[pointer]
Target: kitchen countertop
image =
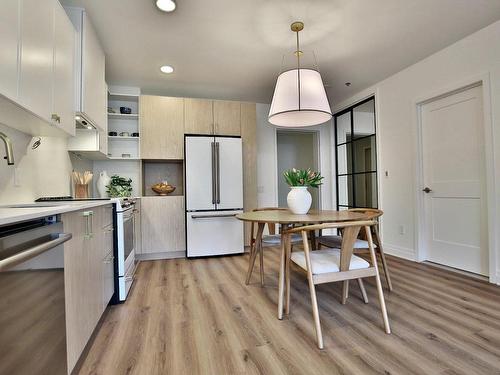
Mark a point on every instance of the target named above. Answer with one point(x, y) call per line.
point(12, 215)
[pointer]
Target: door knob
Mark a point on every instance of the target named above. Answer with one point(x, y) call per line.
point(426, 190)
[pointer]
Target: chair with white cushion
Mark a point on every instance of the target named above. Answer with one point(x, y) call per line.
point(271, 239)
point(361, 243)
point(331, 265)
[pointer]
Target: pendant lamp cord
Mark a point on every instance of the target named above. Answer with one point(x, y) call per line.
point(298, 66)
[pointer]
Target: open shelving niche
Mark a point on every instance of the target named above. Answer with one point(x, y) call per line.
point(119, 123)
point(128, 167)
point(155, 171)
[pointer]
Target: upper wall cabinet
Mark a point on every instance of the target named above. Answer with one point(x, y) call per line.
point(161, 121)
point(227, 117)
point(37, 49)
point(198, 116)
point(36, 67)
point(9, 38)
point(64, 70)
point(90, 97)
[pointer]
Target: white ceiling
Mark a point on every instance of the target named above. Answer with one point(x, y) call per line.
point(232, 49)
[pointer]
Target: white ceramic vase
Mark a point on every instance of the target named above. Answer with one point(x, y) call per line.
point(299, 200)
point(101, 184)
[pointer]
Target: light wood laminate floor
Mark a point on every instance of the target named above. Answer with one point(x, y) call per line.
point(198, 317)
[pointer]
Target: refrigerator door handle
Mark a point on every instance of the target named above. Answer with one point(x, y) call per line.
point(211, 216)
point(217, 153)
point(213, 173)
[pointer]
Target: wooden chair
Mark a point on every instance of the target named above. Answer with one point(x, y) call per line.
point(330, 265)
point(271, 239)
point(361, 243)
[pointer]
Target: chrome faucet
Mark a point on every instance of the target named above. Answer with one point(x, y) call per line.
point(8, 149)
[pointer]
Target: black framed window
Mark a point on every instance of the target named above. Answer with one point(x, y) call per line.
point(356, 156)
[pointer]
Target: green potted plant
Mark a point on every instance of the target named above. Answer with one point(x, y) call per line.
point(119, 187)
point(299, 199)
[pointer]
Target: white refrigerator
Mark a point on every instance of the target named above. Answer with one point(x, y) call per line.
point(214, 195)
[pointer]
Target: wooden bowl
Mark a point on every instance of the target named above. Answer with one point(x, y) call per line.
point(162, 189)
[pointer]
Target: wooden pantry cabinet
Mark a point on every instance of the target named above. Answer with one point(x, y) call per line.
point(249, 140)
point(161, 122)
point(88, 275)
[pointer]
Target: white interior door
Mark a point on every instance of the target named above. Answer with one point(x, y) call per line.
point(200, 192)
point(453, 166)
point(230, 180)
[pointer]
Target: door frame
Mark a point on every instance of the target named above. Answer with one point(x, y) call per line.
point(317, 145)
point(482, 80)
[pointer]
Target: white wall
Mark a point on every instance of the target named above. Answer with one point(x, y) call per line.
point(296, 149)
point(44, 171)
point(267, 184)
point(473, 57)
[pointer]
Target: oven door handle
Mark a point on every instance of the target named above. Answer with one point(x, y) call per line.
point(21, 255)
point(127, 217)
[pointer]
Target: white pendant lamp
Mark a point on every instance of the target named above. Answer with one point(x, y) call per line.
point(299, 96)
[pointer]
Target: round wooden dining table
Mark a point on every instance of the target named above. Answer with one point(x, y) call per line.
point(287, 220)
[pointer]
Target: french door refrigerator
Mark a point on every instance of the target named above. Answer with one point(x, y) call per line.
point(214, 195)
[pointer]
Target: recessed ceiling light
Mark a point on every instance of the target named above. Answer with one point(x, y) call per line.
point(89, 127)
point(167, 69)
point(166, 5)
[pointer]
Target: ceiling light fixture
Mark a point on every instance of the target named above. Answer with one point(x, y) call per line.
point(167, 69)
point(299, 96)
point(166, 5)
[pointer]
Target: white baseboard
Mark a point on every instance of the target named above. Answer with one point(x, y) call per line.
point(158, 256)
point(400, 252)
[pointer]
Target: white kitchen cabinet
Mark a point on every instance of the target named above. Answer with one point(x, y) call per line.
point(88, 143)
point(64, 70)
point(91, 95)
point(36, 67)
point(9, 37)
point(37, 56)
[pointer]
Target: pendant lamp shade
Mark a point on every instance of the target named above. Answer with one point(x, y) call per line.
point(299, 99)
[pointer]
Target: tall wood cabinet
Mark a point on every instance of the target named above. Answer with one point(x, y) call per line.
point(249, 138)
point(161, 122)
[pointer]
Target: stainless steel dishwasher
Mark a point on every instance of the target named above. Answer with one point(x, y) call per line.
point(32, 309)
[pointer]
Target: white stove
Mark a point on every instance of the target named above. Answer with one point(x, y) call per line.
point(125, 264)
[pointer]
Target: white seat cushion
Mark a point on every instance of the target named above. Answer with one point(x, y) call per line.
point(336, 241)
point(275, 239)
point(327, 260)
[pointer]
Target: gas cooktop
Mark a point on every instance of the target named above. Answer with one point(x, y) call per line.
point(68, 198)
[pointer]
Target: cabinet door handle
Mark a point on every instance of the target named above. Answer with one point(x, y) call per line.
point(89, 224)
point(55, 117)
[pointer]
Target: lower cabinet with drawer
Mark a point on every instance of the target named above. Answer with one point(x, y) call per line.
point(88, 275)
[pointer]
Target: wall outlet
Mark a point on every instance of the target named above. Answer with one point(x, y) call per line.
point(402, 229)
